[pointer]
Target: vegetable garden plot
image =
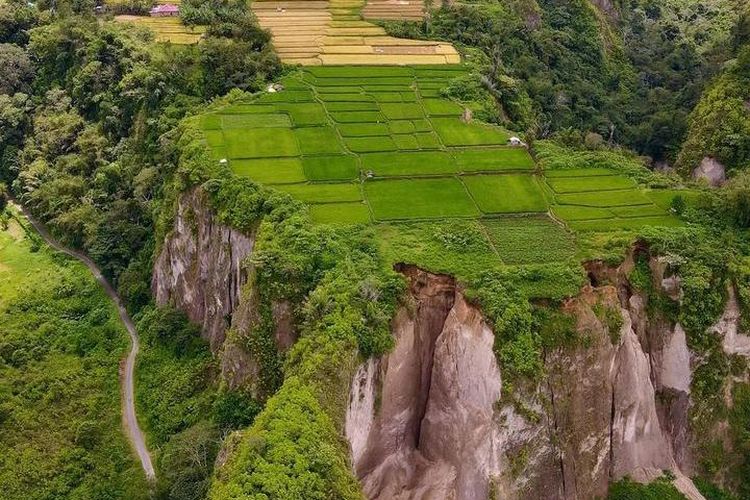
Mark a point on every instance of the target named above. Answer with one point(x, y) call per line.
point(270, 170)
point(412, 163)
point(419, 199)
point(595, 183)
point(340, 213)
point(495, 159)
point(495, 194)
point(530, 240)
point(260, 143)
point(454, 132)
point(323, 193)
point(330, 168)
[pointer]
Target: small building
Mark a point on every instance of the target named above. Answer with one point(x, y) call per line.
point(166, 10)
point(515, 141)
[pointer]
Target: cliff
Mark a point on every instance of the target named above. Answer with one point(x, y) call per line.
point(199, 269)
point(435, 419)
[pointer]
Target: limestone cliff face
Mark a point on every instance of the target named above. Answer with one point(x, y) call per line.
point(432, 418)
point(199, 269)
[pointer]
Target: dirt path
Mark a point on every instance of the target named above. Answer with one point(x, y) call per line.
point(127, 385)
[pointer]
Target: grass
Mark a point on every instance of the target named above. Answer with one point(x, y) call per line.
point(270, 170)
point(340, 213)
point(530, 240)
point(260, 143)
point(318, 140)
point(323, 193)
point(412, 163)
point(454, 132)
point(330, 168)
point(497, 159)
point(594, 183)
point(419, 198)
point(495, 194)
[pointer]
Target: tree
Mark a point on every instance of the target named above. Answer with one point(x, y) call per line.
point(17, 69)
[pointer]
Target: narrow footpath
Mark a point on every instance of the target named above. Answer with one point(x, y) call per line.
point(127, 385)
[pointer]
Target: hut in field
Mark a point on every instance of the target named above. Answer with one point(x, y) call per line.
point(166, 10)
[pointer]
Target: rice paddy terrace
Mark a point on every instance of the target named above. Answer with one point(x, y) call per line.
point(336, 32)
point(378, 145)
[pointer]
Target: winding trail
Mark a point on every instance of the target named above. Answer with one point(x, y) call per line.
point(127, 384)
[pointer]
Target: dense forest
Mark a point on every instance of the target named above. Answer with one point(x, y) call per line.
point(98, 140)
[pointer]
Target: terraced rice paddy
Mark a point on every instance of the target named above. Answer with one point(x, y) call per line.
point(603, 200)
point(377, 145)
point(335, 32)
point(167, 29)
point(364, 145)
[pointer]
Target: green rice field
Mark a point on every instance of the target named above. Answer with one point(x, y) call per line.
point(380, 145)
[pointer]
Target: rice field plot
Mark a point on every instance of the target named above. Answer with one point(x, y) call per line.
point(323, 193)
point(305, 114)
point(167, 29)
point(330, 168)
point(576, 213)
point(578, 172)
point(493, 160)
point(454, 132)
point(370, 144)
point(511, 193)
point(632, 223)
point(398, 199)
point(318, 140)
point(630, 197)
point(363, 129)
point(408, 164)
point(249, 121)
point(260, 143)
point(270, 170)
point(530, 240)
point(664, 197)
point(593, 183)
point(340, 213)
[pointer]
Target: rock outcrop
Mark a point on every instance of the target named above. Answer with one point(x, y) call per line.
point(432, 419)
point(199, 269)
point(710, 170)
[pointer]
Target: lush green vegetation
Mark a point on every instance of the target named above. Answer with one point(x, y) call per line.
point(61, 342)
point(661, 489)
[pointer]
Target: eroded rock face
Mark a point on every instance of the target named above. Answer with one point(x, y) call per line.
point(430, 419)
point(199, 269)
point(711, 170)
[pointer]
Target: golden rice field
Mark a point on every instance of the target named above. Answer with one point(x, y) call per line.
point(167, 29)
point(316, 32)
